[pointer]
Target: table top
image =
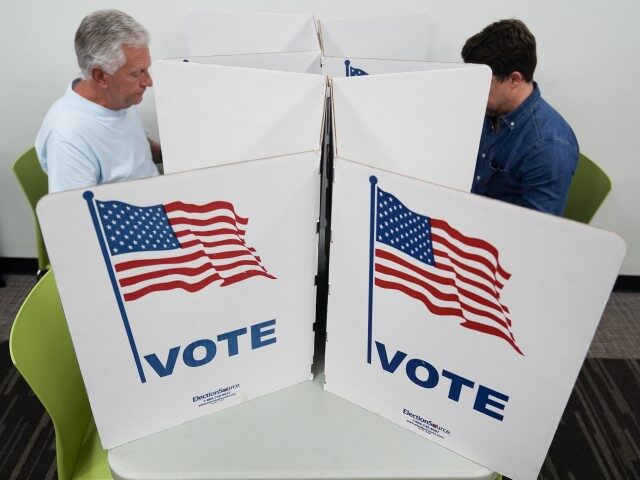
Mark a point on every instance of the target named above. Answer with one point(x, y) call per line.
point(299, 432)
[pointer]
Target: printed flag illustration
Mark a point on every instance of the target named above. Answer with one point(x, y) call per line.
point(174, 246)
point(352, 71)
point(177, 246)
point(427, 259)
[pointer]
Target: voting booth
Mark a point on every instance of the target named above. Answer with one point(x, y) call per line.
point(297, 147)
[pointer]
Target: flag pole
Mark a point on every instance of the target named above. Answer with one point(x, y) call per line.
point(372, 227)
point(88, 196)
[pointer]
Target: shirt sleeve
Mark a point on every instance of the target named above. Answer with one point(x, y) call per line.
point(546, 176)
point(69, 168)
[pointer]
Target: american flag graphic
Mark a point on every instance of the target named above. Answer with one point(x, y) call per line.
point(353, 71)
point(176, 246)
point(452, 274)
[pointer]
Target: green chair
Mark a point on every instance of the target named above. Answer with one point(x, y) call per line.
point(42, 351)
point(589, 187)
point(34, 183)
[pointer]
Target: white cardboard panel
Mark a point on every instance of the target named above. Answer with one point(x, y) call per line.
point(340, 67)
point(297, 62)
point(217, 33)
point(281, 228)
point(213, 115)
point(561, 275)
point(400, 37)
point(424, 125)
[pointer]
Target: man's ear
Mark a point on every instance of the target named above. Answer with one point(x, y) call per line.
point(515, 79)
point(99, 77)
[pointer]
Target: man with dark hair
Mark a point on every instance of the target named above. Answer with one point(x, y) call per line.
point(528, 152)
point(94, 134)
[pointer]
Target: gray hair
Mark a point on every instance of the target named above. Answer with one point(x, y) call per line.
point(100, 38)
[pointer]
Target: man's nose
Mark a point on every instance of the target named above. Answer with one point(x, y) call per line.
point(147, 81)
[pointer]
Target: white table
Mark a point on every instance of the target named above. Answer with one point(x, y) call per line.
point(301, 432)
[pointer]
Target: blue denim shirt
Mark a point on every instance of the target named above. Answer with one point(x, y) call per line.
point(530, 160)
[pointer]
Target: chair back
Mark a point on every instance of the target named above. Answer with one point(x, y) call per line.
point(34, 183)
point(589, 187)
point(42, 351)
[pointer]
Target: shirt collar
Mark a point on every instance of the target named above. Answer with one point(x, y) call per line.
point(95, 107)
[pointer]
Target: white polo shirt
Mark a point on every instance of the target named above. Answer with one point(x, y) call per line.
point(81, 143)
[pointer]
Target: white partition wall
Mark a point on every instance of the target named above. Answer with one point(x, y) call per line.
point(398, 37)
point(461, 318)
point(218, 33)
point(229, 114)
point(189, 293)
point(296, 62)
point(422, 124)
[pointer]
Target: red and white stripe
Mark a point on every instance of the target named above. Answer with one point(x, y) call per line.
point(466, 282)
point(212, 249)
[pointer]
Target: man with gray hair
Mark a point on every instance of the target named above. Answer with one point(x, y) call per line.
point(94, 134)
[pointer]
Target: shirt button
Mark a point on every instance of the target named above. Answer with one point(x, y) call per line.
point(512, 124)
point(484, 155)
point(478, 177)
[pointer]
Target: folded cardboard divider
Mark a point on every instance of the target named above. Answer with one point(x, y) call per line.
point(188, 293)
point(461, 318)
point(214, 33)
point(396, 37)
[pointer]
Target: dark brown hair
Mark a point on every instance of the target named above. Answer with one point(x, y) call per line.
point(506, 46)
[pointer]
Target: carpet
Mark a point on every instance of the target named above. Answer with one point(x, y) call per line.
point(27, 439)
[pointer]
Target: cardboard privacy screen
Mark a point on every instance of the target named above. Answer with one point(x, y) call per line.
point(231, 114)
point(294, 62)
point(220, 33)
point(461, 318)
point(423, 124)
point(396, 37)
point(188, 293)
point(257, 90)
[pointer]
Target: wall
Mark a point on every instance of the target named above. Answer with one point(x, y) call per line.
point(588, 69)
